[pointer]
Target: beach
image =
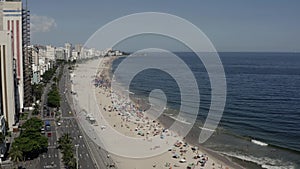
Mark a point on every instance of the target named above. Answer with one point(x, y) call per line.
point(119, 125)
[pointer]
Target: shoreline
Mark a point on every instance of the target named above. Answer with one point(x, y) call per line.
point(218, 158)
point(84, 85)
point(222, 156)
point(233, 148)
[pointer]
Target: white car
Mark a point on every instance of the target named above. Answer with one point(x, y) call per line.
point(58, 123)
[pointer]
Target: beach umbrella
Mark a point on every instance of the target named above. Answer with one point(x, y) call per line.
point(194, 148)
point(175, 156)
point(191, 165)
point(182, 161)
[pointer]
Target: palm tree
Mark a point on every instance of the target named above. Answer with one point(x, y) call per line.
point(66, 146)
point(15, 154)
point(2, 138)
point(65, 140)
point(72, 163)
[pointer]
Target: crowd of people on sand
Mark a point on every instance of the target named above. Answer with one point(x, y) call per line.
point(199, 159)
point(130, 112)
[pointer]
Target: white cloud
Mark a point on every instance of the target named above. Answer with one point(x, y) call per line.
point(41, 23)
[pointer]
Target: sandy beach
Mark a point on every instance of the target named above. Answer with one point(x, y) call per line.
point(134, 140)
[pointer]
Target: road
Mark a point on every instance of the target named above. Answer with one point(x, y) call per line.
point(45, 93)
point(50, 159)
point(90, 155)
point(69, 125)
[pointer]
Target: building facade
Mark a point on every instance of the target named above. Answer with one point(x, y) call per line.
point(7, 79)
point(36, 74)
point(60, 54)
point(42, 60)
point(68, 50)
point(27, 58)
point(12, 21)
point(50, 52)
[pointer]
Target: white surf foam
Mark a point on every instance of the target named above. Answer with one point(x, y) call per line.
point(260, 143)
point(264, 162)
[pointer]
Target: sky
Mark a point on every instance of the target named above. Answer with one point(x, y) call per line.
point(231, 25)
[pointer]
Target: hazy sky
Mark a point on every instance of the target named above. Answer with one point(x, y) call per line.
point(232, 25)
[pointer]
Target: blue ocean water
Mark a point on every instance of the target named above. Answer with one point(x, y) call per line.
point(263, 103)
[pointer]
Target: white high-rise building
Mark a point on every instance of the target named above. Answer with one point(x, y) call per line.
point(78, 48)
point(60, 53)
point(12, 21)
point(50, 52)
point(7, 91)
point(75, 55)
point(36, 76)
point(68, 50)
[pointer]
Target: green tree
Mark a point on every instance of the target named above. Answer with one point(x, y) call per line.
point(30, 142)
point(54, 97)
point(36, 109)
point(64, 141)
point(15, 154)
point(2, 138)
point(48, 74)
point(33, 124)
point(67, 149)
point(37, 91)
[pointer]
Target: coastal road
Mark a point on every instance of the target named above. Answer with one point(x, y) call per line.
point(45, 93)
point(90, 154)
point(51, 158)
point(69, 125)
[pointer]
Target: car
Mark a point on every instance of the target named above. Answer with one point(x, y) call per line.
point(43, 130)
point(80, 136)
point(49, 134)
point(58, 123)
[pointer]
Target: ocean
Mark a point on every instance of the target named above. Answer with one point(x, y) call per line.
point(261, 120)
